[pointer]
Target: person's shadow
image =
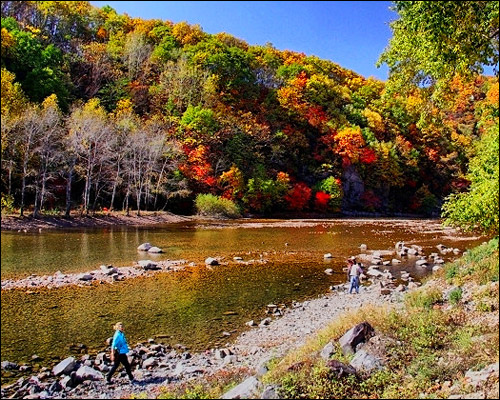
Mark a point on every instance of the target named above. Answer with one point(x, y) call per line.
point(149, 381)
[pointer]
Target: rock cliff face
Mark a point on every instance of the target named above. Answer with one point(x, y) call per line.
point(353, 188)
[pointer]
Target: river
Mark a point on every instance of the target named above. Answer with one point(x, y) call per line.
point(196, 307)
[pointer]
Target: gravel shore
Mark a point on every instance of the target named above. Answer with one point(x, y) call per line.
point(156, 366)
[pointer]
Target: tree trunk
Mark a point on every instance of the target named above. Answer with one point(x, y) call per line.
point(44, 186)
point(23, 188)
point(11, 164)
point(139, 195)
point(115, 184)
point(68, 189)
point(37, 199)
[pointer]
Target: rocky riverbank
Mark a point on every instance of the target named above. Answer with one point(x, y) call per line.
point(156, 365)
point(106, 274)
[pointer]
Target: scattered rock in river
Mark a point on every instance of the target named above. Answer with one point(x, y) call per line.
point(144, 247)
point(211, 261)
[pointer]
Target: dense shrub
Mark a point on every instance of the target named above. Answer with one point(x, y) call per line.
point(215, 206)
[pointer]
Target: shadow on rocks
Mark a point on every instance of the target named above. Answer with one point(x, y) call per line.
point(150, 381)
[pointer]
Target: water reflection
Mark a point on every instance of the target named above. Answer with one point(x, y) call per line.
point(187, 307)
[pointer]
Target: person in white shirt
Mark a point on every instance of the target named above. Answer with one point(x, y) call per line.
point(354, 270)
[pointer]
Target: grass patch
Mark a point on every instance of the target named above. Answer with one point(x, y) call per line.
point(479, 265)
point(455, 296)
point(215, 206)
point(423, 298)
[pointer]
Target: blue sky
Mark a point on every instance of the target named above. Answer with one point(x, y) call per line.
point(350, 33)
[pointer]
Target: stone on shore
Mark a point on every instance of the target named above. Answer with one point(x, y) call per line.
point(364, 361)
point(65, 367)
point(211, 261)
point(87, 373)
point(245, 390)
point(327, 351)
point(148, 264)
point(354, 336)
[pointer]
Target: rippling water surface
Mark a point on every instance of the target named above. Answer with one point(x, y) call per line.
point(193, 307)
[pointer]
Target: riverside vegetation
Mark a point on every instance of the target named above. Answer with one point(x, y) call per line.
point(269, 129)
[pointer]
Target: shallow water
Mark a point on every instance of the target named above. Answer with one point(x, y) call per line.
point(186, 307)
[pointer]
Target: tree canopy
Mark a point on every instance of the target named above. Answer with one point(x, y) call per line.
point(435, 40)
point(151, 114)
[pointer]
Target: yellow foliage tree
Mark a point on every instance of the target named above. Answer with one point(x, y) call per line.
point(187, 34)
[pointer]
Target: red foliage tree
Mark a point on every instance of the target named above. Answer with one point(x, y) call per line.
point(298, 198)
point(321, 200)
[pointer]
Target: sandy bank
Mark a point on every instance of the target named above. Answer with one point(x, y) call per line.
point(13, 223)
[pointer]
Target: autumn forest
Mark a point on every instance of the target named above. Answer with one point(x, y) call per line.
point(102, 111)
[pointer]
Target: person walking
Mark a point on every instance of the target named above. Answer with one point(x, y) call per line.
point(119, 350)
point(354, 271)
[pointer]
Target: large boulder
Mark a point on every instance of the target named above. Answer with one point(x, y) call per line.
point(144, 247)
point(245, 390)
point(65, 367)
point(87, 373)
point(354, 336)
point(365, 361)
point(374, 354)
point(211, 261)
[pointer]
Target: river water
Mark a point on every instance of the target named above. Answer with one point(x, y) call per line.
point(196, 307)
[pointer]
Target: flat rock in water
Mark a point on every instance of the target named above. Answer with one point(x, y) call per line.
point(144, 247)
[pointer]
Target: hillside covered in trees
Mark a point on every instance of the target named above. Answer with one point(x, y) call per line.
point(101, 110)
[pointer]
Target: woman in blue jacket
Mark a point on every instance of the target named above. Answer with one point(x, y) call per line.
point(119, 350)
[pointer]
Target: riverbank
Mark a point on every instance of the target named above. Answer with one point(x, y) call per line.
point(151, 218)
point(158, 367)
point(108, 219)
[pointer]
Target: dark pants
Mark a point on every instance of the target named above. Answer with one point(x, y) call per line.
point(121, 358)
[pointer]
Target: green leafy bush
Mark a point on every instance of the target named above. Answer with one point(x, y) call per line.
point(215, 206)
point(479, 264)
point(477, 209)
point(424, 298)
point(455, 296)
point(7, 203)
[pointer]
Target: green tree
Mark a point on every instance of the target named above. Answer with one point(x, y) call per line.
point(435, 39)
point(432, 43)
point(477, 209)
point(37, 67)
